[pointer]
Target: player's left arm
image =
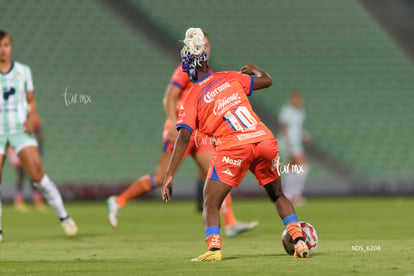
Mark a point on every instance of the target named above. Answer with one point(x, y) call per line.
point(180, 146)
point(28, 125)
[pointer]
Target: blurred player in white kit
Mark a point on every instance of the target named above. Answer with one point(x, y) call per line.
point(292, 135)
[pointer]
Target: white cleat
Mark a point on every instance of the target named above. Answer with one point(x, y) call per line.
point(113, 211)
point(69, 226)
point(240, 227)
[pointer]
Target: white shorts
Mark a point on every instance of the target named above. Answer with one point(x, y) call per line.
point(17, 141)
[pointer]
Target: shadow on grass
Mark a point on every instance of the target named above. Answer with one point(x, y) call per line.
point(249, 256)
point(235, 257)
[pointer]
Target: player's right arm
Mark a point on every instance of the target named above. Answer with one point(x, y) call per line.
point(180, 146)
point(261, 79)
point(186, 124)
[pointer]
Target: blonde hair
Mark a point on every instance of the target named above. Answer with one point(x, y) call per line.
point(194, 52)
point(194, 43)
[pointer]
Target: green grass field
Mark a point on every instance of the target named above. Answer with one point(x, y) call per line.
point(156, 238)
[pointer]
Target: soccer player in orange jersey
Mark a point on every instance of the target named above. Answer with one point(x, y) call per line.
point(217, 105)
point(200, 149)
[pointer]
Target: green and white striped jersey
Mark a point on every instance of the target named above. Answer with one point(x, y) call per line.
point(13, 103)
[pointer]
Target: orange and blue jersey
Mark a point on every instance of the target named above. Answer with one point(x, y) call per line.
point(181, 80)
point(218, 106)
point(199, 142)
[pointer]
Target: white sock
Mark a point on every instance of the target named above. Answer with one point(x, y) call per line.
point(52, 196)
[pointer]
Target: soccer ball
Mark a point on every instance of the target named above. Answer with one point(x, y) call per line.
point(309, 234)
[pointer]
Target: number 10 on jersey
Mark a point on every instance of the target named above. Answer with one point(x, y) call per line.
point(240, 119)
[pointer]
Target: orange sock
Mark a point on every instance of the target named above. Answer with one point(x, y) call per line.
point(294, 230)
point(226, 212)
point(213, 241)
point(139, 187)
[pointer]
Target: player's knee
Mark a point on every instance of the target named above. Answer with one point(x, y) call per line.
point(35, 171)
point(36, 174)
point(37, 177)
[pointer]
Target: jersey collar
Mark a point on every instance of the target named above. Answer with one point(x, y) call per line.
point(11, 68)
point(203, 78)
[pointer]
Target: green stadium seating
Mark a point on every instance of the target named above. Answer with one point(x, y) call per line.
point(84, 46)
point(356, 82)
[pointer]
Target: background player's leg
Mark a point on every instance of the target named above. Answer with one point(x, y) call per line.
point(202, 160)
point(19, 203)
point(143, 185)
point(20, 180)
point(299, 184)
point(37, 198)
point(14, 160)
point(295, 185)
point(288, 185)
point(199, 190)
point(2, 158)
point(30, 158)
point(36, 194)
point(226, 211)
